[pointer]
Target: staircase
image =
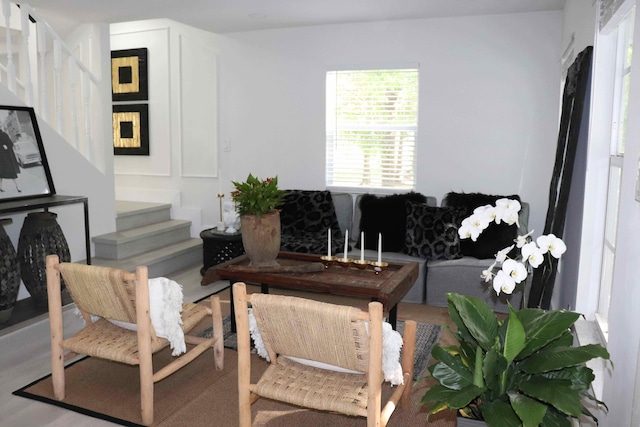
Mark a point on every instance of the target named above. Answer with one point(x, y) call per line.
point(146, 235)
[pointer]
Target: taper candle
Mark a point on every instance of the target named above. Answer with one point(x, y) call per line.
point(346, 243)
point(362, 246)
point(329, 243)
point(379, 248)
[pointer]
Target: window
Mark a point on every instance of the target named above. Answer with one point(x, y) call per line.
point(620, 92)
point(372, 125)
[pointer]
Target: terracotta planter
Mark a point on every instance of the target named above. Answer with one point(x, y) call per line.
point(40, 236)
point(261, 238)
point(9, 276)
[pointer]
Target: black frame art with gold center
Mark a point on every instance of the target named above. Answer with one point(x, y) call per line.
point(129, 75)
point(131, 129)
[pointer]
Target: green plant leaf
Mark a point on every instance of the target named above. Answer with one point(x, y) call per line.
point(478, 318)
point(542, 327)
point(450, 371)
point(558, 393)
point(494, 365)
point(530, 411)
point(561, 357)
point(554, 418)
point(454, 399)
point(498, 413)
point(514, 340)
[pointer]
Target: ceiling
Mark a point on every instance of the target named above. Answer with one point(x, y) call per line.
point(225, 16)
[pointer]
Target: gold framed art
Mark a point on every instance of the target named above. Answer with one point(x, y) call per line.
point(131, 129)
point(129, 75)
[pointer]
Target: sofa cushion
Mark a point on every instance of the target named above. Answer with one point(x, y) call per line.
point(432, 232)
point(386, 215)
point(493, 238)
point(305, 217)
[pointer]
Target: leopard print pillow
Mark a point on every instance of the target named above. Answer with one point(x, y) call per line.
point(432, 232)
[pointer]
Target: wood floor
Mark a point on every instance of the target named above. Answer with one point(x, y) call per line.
point(25, 355)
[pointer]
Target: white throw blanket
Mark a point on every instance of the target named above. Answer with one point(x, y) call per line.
point(391, 346)
point(165, 306)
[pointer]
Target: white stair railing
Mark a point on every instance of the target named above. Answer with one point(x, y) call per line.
point(50, 77)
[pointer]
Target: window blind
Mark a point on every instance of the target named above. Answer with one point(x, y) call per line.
point(371, 128)
point(610, 9)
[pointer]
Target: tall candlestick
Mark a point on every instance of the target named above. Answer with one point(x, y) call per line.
point(346, 243)
point(362, 246)
point(329, 243)
point(220, 181)
point(379, 248)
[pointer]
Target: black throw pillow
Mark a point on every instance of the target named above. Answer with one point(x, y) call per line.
point(309, 211)
point(432, 232)
point(493, 238)
point(386, 215)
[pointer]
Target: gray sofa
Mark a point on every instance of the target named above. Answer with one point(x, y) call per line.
point(436, 277)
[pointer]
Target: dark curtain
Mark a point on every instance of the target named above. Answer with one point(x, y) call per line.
point(574, 111)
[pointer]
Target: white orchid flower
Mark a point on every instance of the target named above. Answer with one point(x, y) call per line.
point(507, 211)
point(515, 269)
point(551, 243)
point(532, 254)
point(523, 240)
point(503, 283)
point(487, 212)
point(472, 226)
point(502, 254)
point(487, 274)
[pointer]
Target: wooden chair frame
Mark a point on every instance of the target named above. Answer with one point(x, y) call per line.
point(375, 414)
point(130, 297)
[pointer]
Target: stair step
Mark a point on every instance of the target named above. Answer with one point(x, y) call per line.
point(162, 261)
point(128, 243)
point(130, 215)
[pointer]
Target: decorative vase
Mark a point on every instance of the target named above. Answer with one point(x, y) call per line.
point(261, 238)
point(40, 236)
point(469, 422)
point(9, 276)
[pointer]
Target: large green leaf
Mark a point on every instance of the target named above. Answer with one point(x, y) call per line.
point(542, 327)
point(558, 393)
point(514, 340)
point(562, 357)
point(463, 334)
point(530, 411)
point(455, 399)
point(554, 418)
point(478, 318)
point(580, 376)
point(450, 371)
point(499, 414)
point(494, 365)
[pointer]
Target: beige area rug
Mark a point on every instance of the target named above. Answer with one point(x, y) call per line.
point(196, 395)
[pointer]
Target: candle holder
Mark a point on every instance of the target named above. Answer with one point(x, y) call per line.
point(328, 261)
point(344, 262)
point(361, 264)
point(379, 266)
point(221, 222)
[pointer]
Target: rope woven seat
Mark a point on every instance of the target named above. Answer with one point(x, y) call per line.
point(345, 337)
point(118, 295)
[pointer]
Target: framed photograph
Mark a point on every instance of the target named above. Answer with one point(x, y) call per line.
point(129, 75)
point(131, 129)
point(24, 171)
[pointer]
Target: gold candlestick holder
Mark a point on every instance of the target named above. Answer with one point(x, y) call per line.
point(379, 266)
point(361, 264)
point(344, 262)
point(221, 223)
point(328, 261)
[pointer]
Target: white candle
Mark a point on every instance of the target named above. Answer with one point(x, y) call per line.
point(346, 243)
point(329, 243)
point(362, 246)
point(220, 181)
point(379, 248)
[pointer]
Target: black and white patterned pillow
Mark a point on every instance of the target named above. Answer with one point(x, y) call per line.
point(432, 232)
point(305, 217)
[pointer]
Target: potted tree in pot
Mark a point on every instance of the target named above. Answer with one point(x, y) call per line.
point(522, 370)
point(256, 202)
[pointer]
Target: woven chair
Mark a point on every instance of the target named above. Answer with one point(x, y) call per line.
point(327, 333)
point(123, 296)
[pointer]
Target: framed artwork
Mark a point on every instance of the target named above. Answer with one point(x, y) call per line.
point(131, 129)
point(129, 75)
point(24, 171)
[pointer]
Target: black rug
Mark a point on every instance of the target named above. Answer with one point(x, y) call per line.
point(427, 336)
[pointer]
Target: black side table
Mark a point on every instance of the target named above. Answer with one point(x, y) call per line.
point(218, 247)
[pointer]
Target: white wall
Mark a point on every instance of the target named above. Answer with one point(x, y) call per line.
point(182, 167)
point(489, 97)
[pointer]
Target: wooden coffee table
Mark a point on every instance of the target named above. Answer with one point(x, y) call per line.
point(389, 286)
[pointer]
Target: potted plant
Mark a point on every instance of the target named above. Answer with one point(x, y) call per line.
point(256, 201)
point(522, 370)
